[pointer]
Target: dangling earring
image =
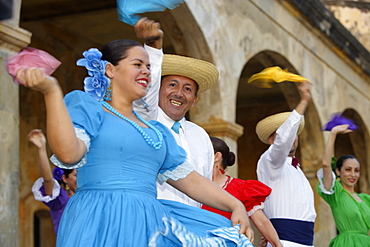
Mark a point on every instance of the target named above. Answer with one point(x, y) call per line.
point(67, 189)
point(108, 94)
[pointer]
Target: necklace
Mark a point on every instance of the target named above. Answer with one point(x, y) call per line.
point(147, 138)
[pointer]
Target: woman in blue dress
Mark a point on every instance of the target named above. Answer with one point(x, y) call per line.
point(119, 157)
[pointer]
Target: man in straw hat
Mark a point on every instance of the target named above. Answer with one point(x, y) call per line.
point(290, 207)
point(182, 79)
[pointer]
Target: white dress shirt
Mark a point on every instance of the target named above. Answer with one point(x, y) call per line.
point(292, 196)
point(192, 138)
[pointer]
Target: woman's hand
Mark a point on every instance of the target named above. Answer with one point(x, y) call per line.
point(35, 79)
point(37, 138)
point(209, 193)
point(239, 216)
point(341, 129)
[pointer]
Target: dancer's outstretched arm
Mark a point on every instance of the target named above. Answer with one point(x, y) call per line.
point(60, 131)
point(209, 193)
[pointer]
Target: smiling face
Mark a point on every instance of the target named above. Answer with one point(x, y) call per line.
point(131, 77)
point(349, 172)
point(177, 95)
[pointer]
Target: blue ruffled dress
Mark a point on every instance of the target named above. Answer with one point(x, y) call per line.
point(115, 203)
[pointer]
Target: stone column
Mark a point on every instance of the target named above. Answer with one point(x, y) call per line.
point(12, 39)
point(227, 131)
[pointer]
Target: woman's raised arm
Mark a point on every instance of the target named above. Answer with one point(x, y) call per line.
point(329, 152)
point(60, 131)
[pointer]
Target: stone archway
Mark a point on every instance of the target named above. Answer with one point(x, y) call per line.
point(253, 104)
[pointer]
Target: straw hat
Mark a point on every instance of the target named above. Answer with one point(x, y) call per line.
point(203, 73)
point(270, 124)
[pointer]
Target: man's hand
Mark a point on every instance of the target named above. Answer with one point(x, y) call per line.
point(150, 31)
point(304, 90)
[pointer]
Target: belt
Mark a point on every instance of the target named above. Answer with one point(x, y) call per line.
point(297, 231)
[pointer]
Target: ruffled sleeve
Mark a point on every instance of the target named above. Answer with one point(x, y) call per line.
point(321, 188)
point(176, 165)
point(251, 193)
point(37, 190)
point(328, 195)
point(87, 115)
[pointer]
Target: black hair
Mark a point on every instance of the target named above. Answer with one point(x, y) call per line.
point(228, 158)
point(66, 174)
point(116, 50)
point(343, 158)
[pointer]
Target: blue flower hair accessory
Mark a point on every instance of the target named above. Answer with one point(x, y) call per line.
point(97, 82)
point(58, 173)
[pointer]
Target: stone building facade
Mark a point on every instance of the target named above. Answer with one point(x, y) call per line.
point(240, 37)
point(354, 15)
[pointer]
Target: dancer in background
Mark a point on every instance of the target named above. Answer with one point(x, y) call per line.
point(351, 210)
point(53, 189)
point(290, 207)
point(251, 193)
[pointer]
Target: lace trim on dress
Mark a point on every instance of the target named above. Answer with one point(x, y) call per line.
point(178, 173)
point(81, 134)
point(215, 238)
point(255, 208)
point(47, 198)
point(320, 176)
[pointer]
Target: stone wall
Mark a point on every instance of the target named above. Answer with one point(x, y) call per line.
point(12, 39)
point(355, 16)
